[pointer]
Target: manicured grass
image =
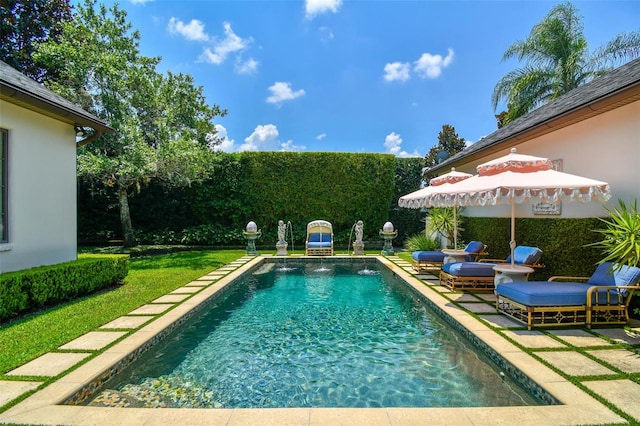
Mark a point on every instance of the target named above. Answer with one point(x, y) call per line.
point(148, 279)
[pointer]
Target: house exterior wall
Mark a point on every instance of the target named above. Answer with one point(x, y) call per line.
point(41, 205)
point(605, 147)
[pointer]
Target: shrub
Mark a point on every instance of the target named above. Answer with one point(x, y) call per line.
point(34, 288)
point(421, 242)
point(621, 236)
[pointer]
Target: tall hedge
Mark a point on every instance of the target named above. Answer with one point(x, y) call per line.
point(265, 187)
point(563, 241)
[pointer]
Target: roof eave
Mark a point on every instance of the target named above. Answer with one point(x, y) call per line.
point(28, 100)
point(613, 100)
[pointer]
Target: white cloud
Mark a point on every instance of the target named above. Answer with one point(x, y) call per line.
point(194, 30)
point(396, 71)
point(430, 66)
point(227, 145)
point(249, 66)
point(290, 146)
point(264, 137)
point(281, 91)
point(223, 47)
point(321, 136)
point(393, 143)
point(316, 7)
point(142, 2)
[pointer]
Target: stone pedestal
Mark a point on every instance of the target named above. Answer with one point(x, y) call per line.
point(281, 248)
point(387, 248)
point(251, 242)
point(358, 248)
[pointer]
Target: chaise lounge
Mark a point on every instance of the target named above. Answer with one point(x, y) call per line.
point(430, 260)
point(603, 299)
point(319, 238)
point(479, 276)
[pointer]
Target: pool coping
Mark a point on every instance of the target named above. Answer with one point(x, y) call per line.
point(44, 406)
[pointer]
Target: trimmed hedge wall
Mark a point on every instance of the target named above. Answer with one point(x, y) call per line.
point(35, 288)
point(561, 240)
point(264, 187)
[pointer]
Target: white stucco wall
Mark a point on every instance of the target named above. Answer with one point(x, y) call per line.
point(42, 190)
point(605, 147)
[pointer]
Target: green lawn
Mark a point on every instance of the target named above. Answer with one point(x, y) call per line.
point(148, 279)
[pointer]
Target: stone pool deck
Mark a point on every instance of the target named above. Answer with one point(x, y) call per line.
point(584, 369)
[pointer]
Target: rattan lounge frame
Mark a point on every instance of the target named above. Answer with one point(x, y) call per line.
point(481, 283)
point(422, 266)
point(605, 305)
point(319, 240)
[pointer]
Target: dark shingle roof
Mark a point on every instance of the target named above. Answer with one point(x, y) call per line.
point(17, 88)
point(616, 81)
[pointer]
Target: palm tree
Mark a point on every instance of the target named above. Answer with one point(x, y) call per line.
point(557, 60)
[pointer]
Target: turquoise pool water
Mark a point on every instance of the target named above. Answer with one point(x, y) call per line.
point(314, 334)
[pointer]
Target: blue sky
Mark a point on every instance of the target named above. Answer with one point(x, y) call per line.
point(351, 76)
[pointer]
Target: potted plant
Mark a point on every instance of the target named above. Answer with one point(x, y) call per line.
point(621, 242)
point(621, 235)
point(441, 220)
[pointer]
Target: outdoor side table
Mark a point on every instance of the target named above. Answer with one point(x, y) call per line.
point(454, 256)
point(508, 273)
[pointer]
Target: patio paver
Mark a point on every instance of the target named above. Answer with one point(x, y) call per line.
point(211, 277)
point(489, 297)
point(533, 339)
point(156, 308)
point(199, 283)
point(171, 298)
point(10, 390)
point(463, 297)
point(501, 321)
point(427, 277)
point(619, 335)
point(623, 359)
point(49, 365)
point(624, 394)
point(128, 322)
point(185, 289)
point(94, 340)
point(478, 308)
point(579, 337)
point(574, 363)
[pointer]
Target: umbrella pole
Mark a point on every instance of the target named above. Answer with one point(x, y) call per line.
point(512, 243)
point(455, 230)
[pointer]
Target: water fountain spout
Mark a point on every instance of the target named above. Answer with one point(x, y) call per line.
point(291, 235)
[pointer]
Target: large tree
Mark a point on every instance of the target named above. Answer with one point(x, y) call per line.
point(162, 122)
point(449, 143)
point(24, 24)
point(557, 60)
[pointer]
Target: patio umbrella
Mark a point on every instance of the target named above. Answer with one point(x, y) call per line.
point(419, 199)
point(516, 178)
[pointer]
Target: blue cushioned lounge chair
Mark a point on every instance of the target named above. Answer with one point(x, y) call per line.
point(429, 260)
point(480, 275)
point(319, 238)
point(561, 301)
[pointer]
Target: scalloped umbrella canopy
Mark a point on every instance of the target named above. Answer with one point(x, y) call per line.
point(515, 179)
point(418, 199)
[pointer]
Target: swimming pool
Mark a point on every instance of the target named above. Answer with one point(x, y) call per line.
point(314, 333)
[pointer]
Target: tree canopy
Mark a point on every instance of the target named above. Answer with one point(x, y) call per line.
point(449, 143)
point(162, 123)
point(24, 24)
point(556, 60)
